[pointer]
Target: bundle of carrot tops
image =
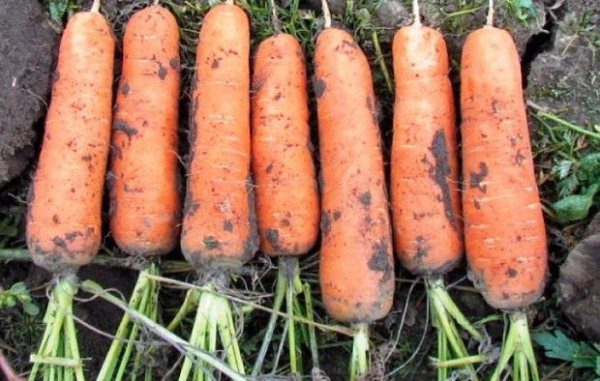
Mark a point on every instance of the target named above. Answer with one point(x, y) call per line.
point(251, 185)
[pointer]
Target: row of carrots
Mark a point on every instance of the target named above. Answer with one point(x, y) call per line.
point(498, 210)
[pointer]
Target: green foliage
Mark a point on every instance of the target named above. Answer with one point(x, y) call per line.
point(58, 9)
point(576, 207)
point(559, 346)
point(18, 293)
point(572, 175)
point(524, 10)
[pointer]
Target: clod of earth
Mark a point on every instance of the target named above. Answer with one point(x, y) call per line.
point(579, 284)
point(27, 50)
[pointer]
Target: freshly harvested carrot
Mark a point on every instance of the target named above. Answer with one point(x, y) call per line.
point(281, 150)
point(424, 178)
point(219, 232)
point(144, 194)
point(356, 267)
point(218, 225)
point(504, 227)
point(145, 202)
point(287, 199)
point(357, 272)
point(424, 167)
point(64, 217)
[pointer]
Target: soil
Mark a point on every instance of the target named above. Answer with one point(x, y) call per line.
point(564, 78)
point(27, 50)
point(579, 284)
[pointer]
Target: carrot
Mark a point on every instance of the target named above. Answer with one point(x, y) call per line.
point(504, 227)
point(424, 176)
point(356, 269)
point(64, 219)
point(145, 202)
point(219, 232)
point(284, 172)
point(218, 227)
point(281, 155)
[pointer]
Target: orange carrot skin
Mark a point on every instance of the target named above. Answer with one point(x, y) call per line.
point(424, 168)
point(504, 227)
point(218, 225)
point(64, 216)
point(356, 269)
point(287, 200)
point(145, 201)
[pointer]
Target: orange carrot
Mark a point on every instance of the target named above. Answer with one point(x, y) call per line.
point(505, 236)
point(64, 218)
point(424, 177)
point(145, 202)
point(286, 190)
point(356, 270)
point(218, 227)
point(504, 227)
point(424, 174)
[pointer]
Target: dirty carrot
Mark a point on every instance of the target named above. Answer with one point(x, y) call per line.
point(219, 232)
point(356, 269)
point(424, 174)
point(504, 226)
point(287, 199)
point(144, 193)
point(64, 217)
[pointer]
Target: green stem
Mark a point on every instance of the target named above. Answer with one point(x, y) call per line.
point(295, 365)
point(144, 300)
point(58, 354)
point(565, 123)
point(381, 61)
point(280, 291)
point(312, 336)
point(359, 362)
point(168, 336)
point(457, 363)
point(442, 351)
point(517, 345)
point(446, 315)
point(192, 296)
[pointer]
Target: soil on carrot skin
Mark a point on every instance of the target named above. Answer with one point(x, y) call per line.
point(27, 50)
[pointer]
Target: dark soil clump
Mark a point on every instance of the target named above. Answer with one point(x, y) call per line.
point(27, 50)
point(579, 284)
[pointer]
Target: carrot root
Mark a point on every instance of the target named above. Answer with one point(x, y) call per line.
point(447, 317)
point(58, 354)
point(517, 345)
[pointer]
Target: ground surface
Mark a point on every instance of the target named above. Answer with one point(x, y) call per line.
point(27, 44)
point(558, 42)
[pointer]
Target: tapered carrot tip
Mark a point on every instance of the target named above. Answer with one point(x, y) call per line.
point(504, 226)
point(64, 216)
